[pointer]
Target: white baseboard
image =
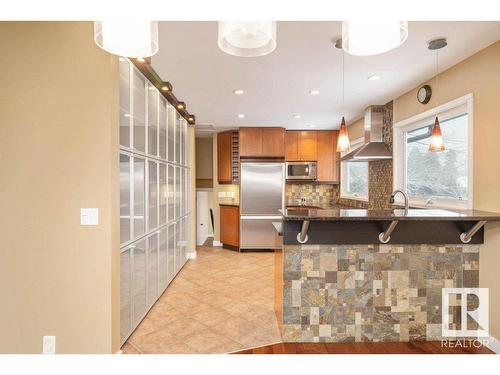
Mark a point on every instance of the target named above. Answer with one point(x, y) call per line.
point(191, 255)
point(494, 344)
point(217, 244)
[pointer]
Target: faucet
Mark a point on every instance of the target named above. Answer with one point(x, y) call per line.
point(393, 195)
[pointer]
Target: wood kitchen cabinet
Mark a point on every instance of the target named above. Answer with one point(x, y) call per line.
point(308, 149)
point(224, 157)
point(250, 142)
point(228, 168)
point(273, 142)
point(230, 226)
point(327, 156)
point(262, 142)
point(300, 145)
point(292, 138)
point(315, 145)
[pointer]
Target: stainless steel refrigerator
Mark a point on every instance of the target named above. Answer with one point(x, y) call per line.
point(262, 190)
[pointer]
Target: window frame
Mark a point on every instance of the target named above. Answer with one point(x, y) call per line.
point(356, 143)
point(445, 111)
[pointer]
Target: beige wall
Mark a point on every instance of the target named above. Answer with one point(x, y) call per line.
point(204, 158)
point(479, 75)
point(219, 188)
point(204, 163)
point(356, 129)
point(58, 153)
point(193, 163)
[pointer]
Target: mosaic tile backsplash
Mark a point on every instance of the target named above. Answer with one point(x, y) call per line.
point(348, 293)
point(315, 194)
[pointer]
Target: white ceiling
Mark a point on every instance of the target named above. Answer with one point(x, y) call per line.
point(277, 85)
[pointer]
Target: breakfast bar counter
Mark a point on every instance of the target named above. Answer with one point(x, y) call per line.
point(346, 275)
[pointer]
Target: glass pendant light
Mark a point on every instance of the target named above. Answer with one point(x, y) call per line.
point(247, 39)
point(343, 144)
point(372, 37)
point(127, 38)
point(437, 143)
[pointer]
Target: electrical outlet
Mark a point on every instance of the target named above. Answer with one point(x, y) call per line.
point(49, 345)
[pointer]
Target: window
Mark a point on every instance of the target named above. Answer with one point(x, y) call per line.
point(439, 179)
point(354, 177)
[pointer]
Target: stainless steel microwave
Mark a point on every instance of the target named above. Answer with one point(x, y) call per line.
point(301, 170)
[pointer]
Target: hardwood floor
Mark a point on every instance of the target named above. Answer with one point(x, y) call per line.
point(416, 347)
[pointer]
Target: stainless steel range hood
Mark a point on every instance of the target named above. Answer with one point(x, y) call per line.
point(374, 147)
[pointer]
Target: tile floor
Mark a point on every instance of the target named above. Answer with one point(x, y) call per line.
point(220, 302)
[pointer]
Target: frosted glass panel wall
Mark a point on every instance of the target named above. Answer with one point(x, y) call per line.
point(139, 111)
point(154, 179)
point(125, 71)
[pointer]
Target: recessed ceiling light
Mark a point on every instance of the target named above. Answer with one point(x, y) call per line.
point(314, 92)
point(241, 115)
point(126, 115)
point(297, 115)
point(238, 92)
point(373, 78)
point(312, 126)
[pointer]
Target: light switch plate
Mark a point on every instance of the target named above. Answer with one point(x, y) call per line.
point(49, 345)
point(89, 216)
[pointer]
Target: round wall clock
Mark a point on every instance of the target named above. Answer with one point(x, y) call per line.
point(424, 94)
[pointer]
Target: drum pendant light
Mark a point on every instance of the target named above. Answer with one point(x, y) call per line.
point(366, 37)
point(343, 144)
point(134, 39)
point(247, 39)
point(437, 143)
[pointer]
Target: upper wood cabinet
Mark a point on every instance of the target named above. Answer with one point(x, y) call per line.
point(228, 169)
point(250, 142)
point(315, 145)
point(327, 156)
point(262, 142)
point(307, 149)
point(273, 142)
point(300, 145)
point(292, 145)
point(224, 157)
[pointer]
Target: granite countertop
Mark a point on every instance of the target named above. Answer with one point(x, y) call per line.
point(351, 214)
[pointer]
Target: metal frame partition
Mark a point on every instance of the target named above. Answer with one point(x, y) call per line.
point(154, 191)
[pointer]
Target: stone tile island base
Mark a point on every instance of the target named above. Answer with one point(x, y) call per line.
point(348, 293)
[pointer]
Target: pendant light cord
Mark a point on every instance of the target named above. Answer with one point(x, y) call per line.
point(437, 75)
point(343, 79)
